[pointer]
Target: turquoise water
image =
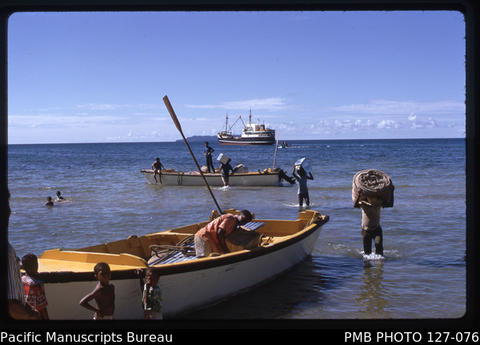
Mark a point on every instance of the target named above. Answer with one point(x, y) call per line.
point(423, 273)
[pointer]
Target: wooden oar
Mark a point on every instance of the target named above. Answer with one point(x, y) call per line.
point(177, 124)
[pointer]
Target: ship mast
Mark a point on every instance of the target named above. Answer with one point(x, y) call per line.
point(226, 122)
point(250, 118)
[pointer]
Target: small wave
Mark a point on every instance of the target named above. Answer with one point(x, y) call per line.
point(296, 205)
point(224, 188)
point(372, 257)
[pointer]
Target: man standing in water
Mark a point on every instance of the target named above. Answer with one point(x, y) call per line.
point(371, 229)
point(157, 167)
point(208, 157)
point(225, 170)
point(301, 176)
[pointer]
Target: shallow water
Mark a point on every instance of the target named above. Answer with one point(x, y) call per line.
point(422, 275)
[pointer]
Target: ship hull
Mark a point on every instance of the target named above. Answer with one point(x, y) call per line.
point(246, 141)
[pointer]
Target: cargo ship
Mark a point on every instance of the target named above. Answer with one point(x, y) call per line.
point(252, 134)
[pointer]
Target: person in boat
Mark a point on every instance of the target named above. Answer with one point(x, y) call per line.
point(104, 294)
point(225, 171)
point(301, 176)
point(208, 157)
point(211, 238)
point(17, 308)
point(371, 229)
point(59, 196)
point(49, 201)
point(152, 296)
point(33, 286)
point(157, 167)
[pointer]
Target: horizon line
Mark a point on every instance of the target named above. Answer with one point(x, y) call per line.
point(180, 140)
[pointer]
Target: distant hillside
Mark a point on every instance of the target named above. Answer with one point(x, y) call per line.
point(195, 138)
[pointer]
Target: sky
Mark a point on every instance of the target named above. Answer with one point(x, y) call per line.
point(78, 77)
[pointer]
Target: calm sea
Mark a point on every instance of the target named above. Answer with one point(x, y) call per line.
point(423, 274)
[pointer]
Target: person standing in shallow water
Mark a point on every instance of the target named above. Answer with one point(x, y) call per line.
point(301, 176)
point(371, 229)
point(225, 171)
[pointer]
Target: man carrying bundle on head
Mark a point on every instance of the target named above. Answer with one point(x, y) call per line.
point(371, 190)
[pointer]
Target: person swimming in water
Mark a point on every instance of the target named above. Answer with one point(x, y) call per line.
point(49, 201)
point(59, 196)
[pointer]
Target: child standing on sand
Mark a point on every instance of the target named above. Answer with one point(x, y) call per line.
point(33, 287)
point(152, 297)
point(104, 294)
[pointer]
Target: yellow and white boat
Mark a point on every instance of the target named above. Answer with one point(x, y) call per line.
point(186, 282)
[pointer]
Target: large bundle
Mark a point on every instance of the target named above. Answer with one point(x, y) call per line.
point(372, 182)
point(241, 239)
point(223, 158)
point(304, 164)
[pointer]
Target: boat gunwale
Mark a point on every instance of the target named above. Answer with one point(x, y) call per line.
point(183, 173)
point(189, 266)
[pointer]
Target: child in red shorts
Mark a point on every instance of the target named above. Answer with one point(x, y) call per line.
point(33, 286)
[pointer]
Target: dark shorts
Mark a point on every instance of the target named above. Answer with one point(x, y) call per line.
point(375, 235)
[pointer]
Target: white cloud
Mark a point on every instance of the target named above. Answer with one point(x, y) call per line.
point(95, 106)
point(270, 104)
point(387, 124)
point(387, 107)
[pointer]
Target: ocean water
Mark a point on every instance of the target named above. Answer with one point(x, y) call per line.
point(423, 274)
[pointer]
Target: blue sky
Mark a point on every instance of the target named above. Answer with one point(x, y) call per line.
point(101, 76)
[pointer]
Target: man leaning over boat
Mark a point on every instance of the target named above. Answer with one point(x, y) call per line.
point(211, 238)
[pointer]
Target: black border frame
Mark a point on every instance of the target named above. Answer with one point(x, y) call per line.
point(297, 330)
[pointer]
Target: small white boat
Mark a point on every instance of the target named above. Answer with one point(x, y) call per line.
point(267, 177)
point(186, 282)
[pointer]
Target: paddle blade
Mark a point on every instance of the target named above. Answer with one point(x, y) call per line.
point(172, 113)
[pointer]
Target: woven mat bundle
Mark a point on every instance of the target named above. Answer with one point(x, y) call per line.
point(371, 182)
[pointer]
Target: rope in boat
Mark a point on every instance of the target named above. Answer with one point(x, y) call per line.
point(185, 246)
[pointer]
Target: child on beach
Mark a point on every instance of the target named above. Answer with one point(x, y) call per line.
point(104, 294)
point(33, 287)
point(152, 296)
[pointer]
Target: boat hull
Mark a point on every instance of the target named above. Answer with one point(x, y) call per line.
point(246, 141)
point(188, 291)
point(195, 179)
point(209, 281)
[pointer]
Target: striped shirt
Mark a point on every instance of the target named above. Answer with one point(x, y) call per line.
point(15, 286)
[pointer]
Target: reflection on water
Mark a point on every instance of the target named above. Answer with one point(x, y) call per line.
point(372, 297)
